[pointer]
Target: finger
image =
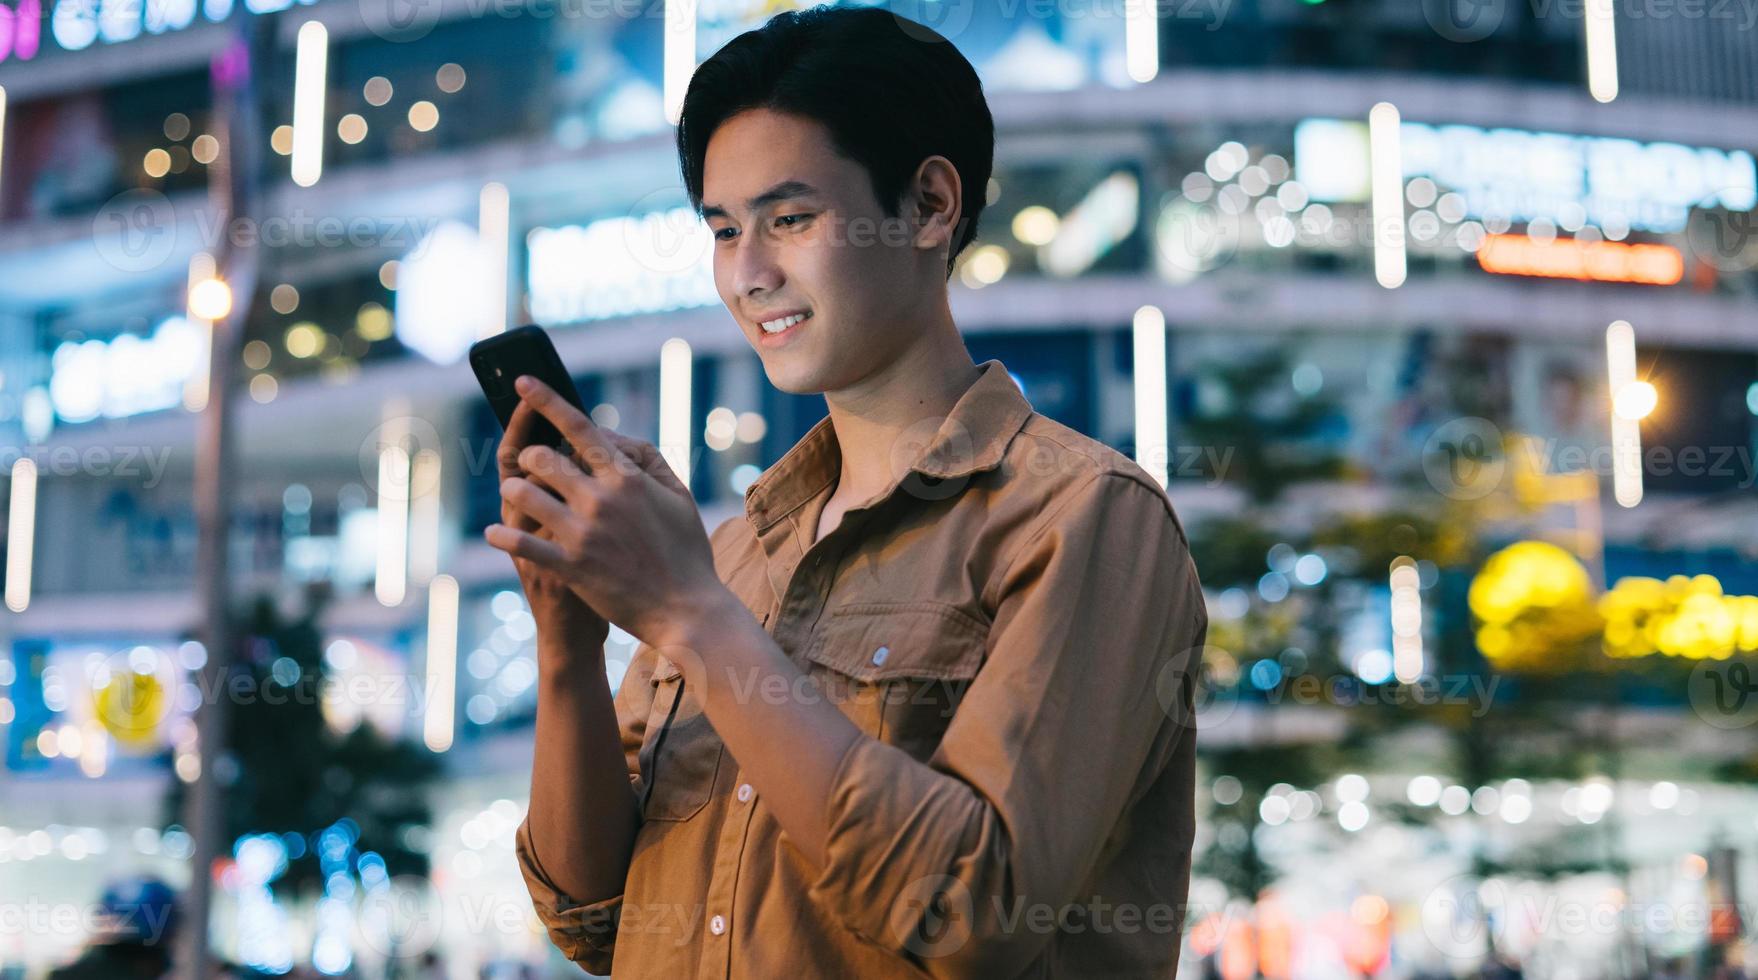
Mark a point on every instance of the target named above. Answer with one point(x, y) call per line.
point(523, 544)
point(561, 475)
point(586, 437)
point(534, 502)
point(517, 437)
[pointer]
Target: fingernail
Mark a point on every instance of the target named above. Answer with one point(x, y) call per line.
point(524, 384)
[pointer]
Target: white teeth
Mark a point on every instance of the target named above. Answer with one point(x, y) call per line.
point(778, 325)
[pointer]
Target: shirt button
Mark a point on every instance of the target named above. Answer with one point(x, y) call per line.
point(717, 925)
point(880, 654)
point(744, 792)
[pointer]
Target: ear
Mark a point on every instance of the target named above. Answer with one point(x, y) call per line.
point(937, 201)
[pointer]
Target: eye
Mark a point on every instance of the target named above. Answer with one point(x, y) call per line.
point(720, 237)
point(791, 220)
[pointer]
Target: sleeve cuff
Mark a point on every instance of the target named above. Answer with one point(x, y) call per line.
point(585, 933)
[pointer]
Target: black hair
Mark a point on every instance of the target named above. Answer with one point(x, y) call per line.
point(891, 92)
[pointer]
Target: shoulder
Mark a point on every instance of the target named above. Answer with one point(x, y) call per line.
point(1066, 471)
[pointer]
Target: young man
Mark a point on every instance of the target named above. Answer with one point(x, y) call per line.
point(924, 709)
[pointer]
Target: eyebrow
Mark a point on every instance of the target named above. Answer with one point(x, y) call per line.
point(785, 191)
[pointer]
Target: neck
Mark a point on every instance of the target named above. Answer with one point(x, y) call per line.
point(887, 418)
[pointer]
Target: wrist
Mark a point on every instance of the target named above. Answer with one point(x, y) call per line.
point(705, 621)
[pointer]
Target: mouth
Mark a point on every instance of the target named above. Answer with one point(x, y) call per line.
point(778, 328)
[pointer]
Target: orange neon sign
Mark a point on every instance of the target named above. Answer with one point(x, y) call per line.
point(1569, 258)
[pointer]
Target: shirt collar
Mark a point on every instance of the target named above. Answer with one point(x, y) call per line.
point(971, 438)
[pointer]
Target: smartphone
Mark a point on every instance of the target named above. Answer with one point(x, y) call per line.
point(499, 361)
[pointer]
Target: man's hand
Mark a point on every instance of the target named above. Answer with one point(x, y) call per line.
point(617, 527)
point(560, 614)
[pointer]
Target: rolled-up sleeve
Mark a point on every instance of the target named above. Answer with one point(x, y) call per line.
point(586, 933)
point(1082, 701)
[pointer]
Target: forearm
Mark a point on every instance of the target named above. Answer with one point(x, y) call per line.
point(583, 815)
point(744, 671)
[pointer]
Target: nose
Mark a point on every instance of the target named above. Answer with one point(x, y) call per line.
point(755, 270)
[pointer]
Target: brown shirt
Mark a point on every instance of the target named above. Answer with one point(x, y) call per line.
point(1015, 624)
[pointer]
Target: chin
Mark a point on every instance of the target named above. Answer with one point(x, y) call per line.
point(794, 373)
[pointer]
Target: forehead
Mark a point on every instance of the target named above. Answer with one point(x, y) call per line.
point(758, 148)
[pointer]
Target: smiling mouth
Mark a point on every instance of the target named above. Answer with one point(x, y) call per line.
point(779, 324)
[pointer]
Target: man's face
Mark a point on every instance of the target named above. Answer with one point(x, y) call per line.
point(797, 230)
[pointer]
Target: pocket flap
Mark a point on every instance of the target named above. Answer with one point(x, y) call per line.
point(872, 641)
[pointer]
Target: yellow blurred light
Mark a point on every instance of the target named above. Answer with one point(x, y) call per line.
point(210, 299)
point(387, 274)
point(157, 163)
point(423, 116)
point(1534, 606)
point(1635, 400)
point(987, 265)
point(351, 128)
point(378, 90)
point(263, 388)
point(1684, 616)
point(304, 339)
point(281, 140)
point(373, 321)
point(205, 149)
point(1035, 225)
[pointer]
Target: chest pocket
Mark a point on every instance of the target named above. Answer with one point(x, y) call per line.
point(680, 757)
point(898, 670)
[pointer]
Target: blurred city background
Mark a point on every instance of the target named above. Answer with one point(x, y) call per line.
point(1437, 318)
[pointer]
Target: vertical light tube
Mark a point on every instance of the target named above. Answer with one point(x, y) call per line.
point(393, 524)
point(1406, 620)
point(1388, 194)
point(1151, 425)
point(442, 662)
point(493, 217)
point(21, 533)
point(1141, 39)
point(195, 390)
point(1626, 434)
point(674, 406)
point(2, 128)
point(679, 56)
point(310, 63)
point(424, 517)
point(1600, 25)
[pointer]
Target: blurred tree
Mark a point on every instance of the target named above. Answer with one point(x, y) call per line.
point(288, 771)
